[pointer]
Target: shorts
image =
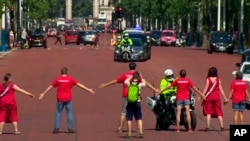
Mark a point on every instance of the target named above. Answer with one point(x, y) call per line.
point(183, 102)
point(124, 106)
point(239, 106)
point(134, 110)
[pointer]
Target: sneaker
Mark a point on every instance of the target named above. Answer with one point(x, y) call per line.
point(190, 130)
point(128, 136)
point(222, 129)
point(71, 131)
point(119, 130)
point(56, 131)
point(140, 135)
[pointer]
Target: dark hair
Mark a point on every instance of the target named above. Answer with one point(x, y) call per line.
point(212, 72)
point(6, 79)
point(183, 73)
point(64, 70)
point(132, 66)
point(239, 75)
point(136, 75)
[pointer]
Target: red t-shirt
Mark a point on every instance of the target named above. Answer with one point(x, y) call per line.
point(239, 88)
point(64, 87)
point(121, 79)
point(183, 85)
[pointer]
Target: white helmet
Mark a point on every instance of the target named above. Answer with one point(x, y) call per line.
point(169, 72)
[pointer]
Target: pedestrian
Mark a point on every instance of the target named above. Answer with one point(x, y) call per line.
point(133, 109)
point(24, 37)
point(64, 85)
point(8, 105)
point(121, 79)
point(239, 91)
point(96, 41)
point(58, 37)
point(212, 102)
point(183, 85)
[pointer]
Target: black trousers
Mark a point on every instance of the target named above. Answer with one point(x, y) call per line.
point(58, 40)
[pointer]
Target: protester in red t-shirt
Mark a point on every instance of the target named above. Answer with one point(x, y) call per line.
point(121, 79)
point(239, 91)
point(64, 85)
point(183, 86)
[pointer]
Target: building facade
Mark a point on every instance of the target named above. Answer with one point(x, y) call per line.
point(103, 7)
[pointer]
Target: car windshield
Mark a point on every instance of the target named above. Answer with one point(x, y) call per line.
point(72, 33)
point(246, 69)
point(90, 33)
point(222, 35)
point(141, 36)
point(167, 34)
point(81, 33)
point(137, 42)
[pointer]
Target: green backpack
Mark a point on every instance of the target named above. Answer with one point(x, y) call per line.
point(133, 93)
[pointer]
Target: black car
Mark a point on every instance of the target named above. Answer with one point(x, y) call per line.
point(155, 36)
point(80, 37)
point(140, 52)
point(37, 40)
point(100, 28)
point(220, 42)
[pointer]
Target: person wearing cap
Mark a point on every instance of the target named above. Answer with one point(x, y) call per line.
point(125, 40)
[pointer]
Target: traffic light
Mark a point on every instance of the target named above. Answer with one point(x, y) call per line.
point(119, 12)
point(12, 13)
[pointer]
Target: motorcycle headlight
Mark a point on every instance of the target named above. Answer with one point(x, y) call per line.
point(117, 51)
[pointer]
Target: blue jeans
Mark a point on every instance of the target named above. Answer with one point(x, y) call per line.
point(59, 108)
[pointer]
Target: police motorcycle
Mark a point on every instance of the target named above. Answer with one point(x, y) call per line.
point(165, 111)
point(126, 52)
point(181, 41)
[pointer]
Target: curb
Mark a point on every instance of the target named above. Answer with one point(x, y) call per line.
point(4, 54)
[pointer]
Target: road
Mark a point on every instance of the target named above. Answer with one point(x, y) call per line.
point(96, 116)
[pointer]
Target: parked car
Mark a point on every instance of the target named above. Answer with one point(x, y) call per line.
point(37, 40)
point(51, 32)
point(168, 38)
point(219, 41)
point(71, 36)
point(89, 37)
point(245, 56)
point(140, 51)
point(244, 67)
point(80, 37)
point(155, 36)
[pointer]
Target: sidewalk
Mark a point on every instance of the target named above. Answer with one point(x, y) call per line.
point(3, 54)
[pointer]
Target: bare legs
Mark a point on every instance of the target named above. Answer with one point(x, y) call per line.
point(15, 125)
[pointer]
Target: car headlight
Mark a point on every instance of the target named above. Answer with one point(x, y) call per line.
point(141, 52)
point(230, 44)
point(213, 44)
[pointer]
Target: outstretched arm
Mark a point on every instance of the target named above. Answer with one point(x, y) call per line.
point(112, 82)
point(22, 91)
point(85, 88)
point(149, 85)
point(45, 92)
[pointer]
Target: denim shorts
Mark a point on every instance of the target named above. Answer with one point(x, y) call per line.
point(183, 102)
point(239, 106)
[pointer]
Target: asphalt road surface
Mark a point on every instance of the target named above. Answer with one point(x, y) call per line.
point(96, 116)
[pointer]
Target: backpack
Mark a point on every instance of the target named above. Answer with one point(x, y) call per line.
point(133, 93)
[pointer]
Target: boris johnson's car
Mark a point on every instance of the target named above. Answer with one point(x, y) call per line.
point(37, 40)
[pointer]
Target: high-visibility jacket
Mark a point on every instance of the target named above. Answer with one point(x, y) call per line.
point(165, 83)
point(125, 41)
